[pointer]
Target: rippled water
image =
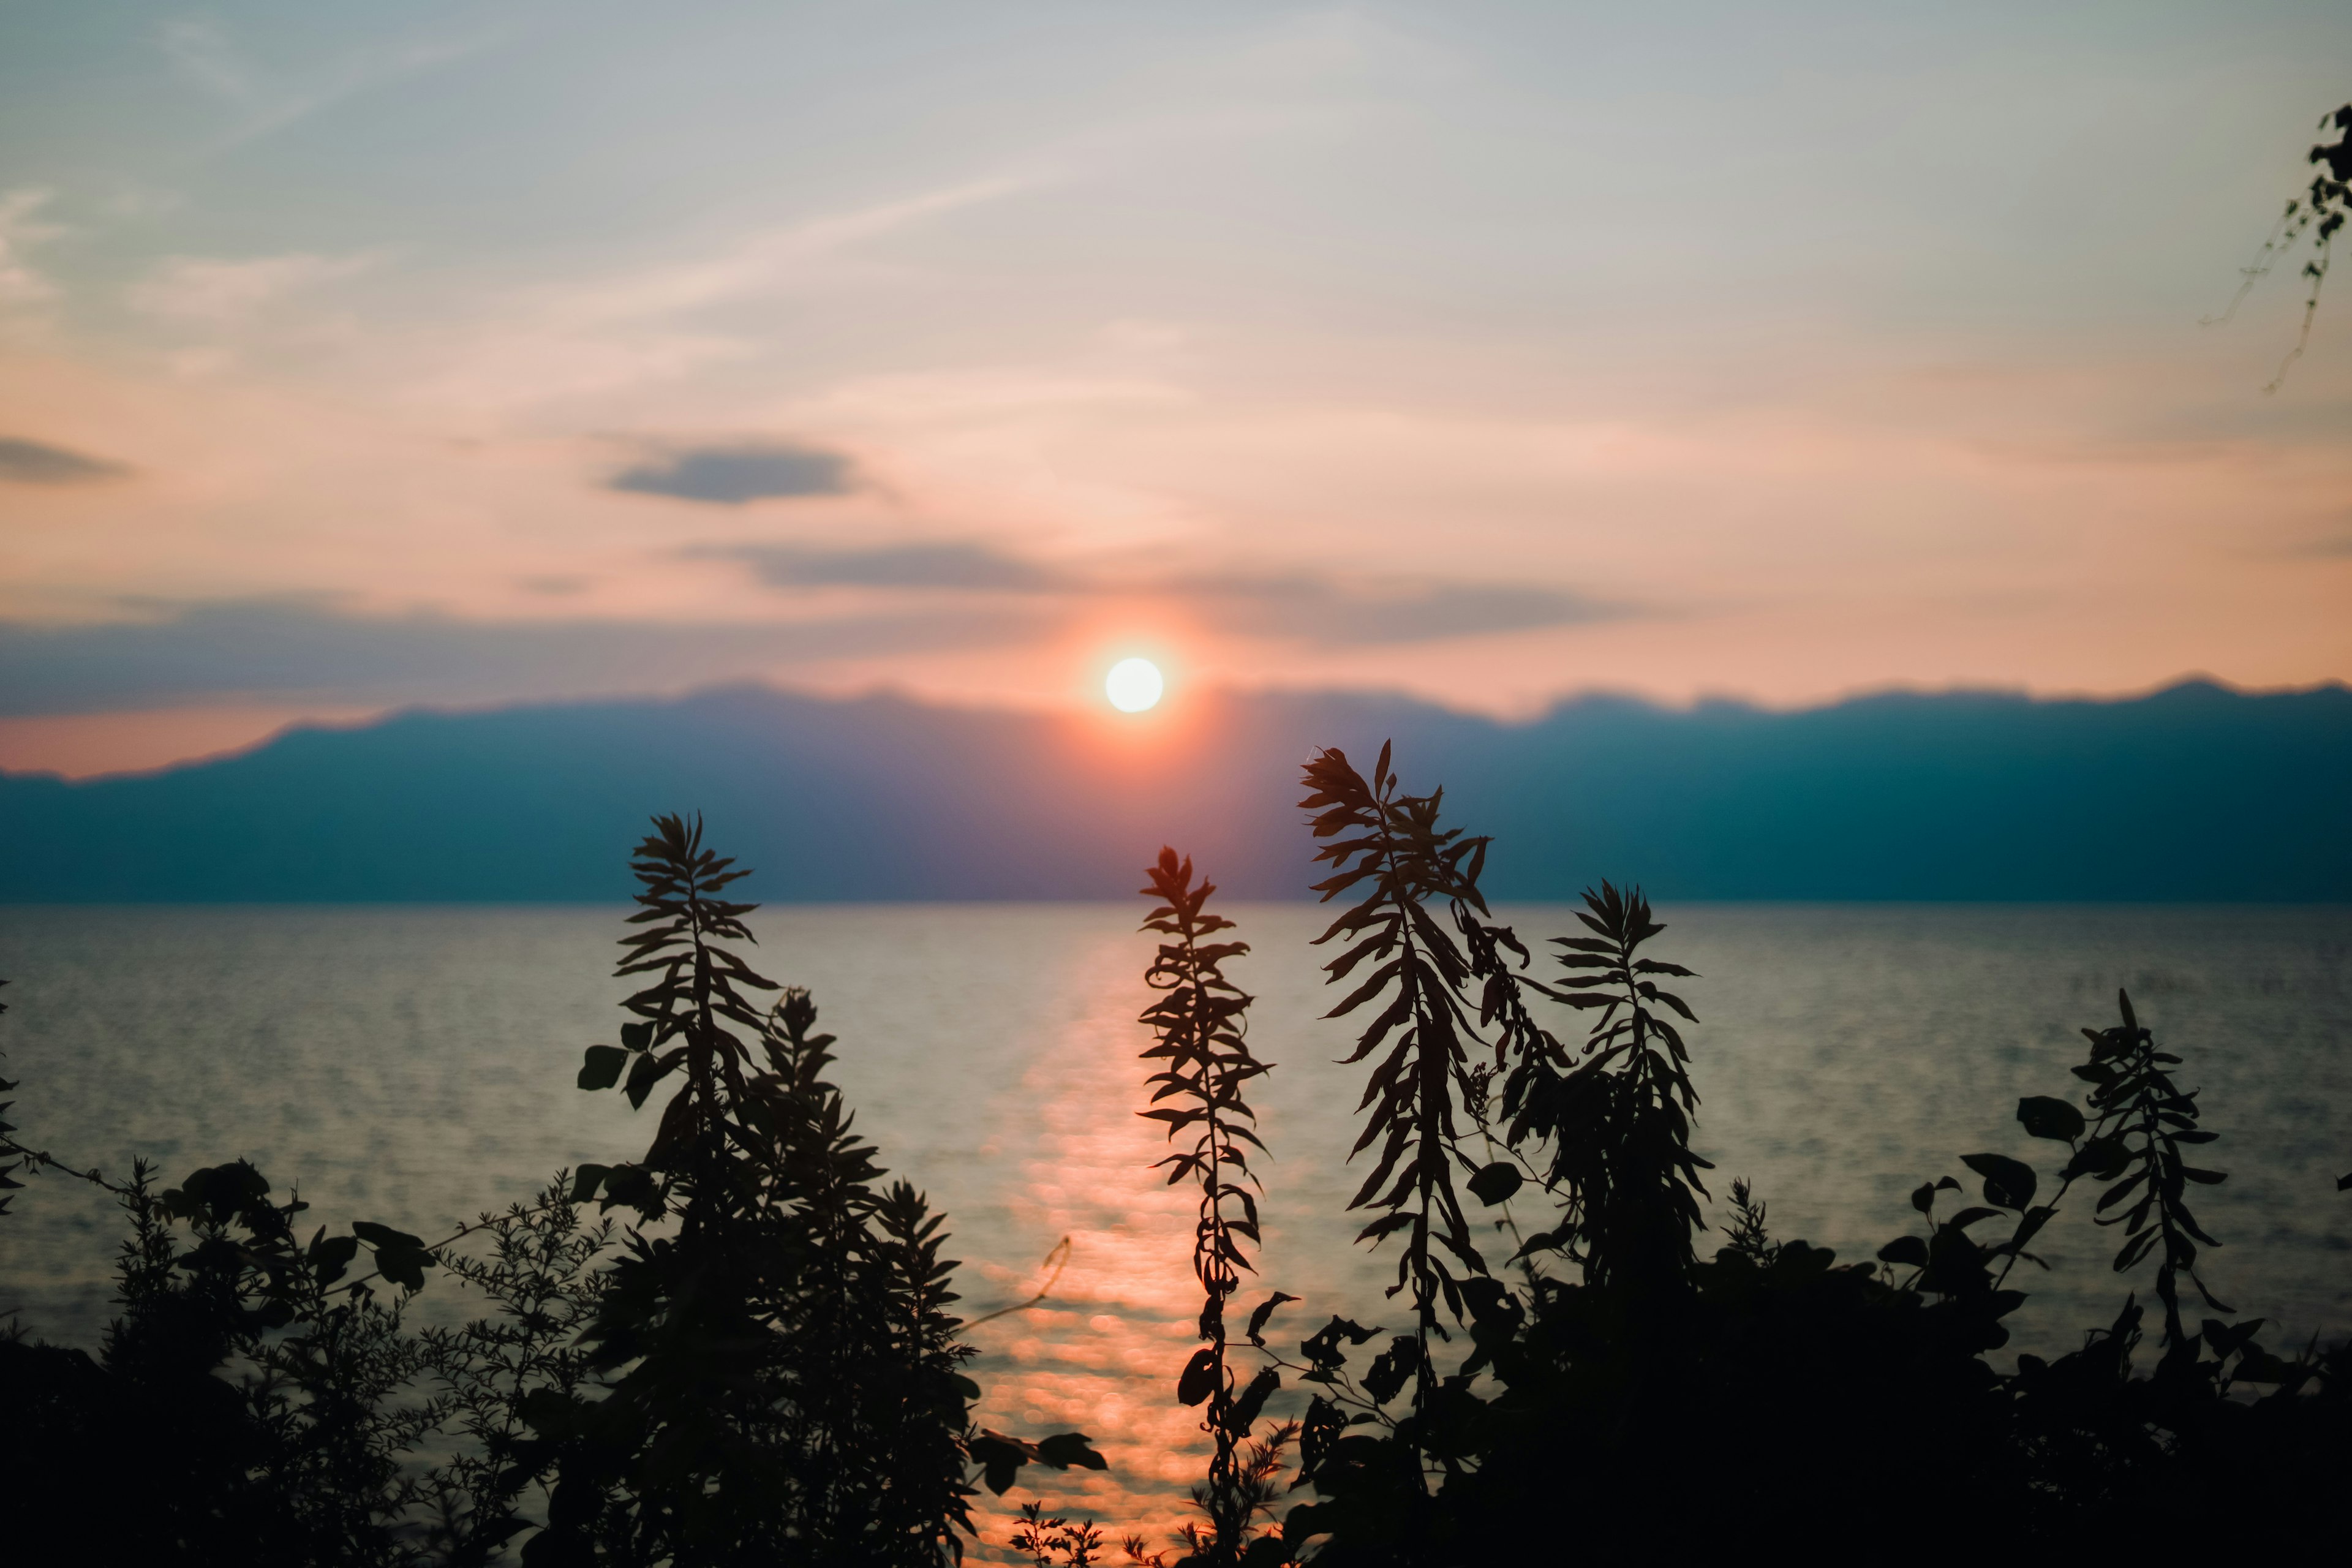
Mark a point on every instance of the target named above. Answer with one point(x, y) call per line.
point(413, 1065)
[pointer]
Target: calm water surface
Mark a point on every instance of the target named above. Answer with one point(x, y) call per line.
point(415, 1065)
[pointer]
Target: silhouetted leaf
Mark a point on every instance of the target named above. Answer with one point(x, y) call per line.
point(383, 1236)
point(2102, 1157)
point(1066, 1450)
point(1495, 1183)
point(2008, 1184)
point(999, 1458)
point(1905, 1249)
point(1251, 1402)
point(2044, 1117)
point(602, 1068)
point(1199, 1378)
point(644, 1071)
point(2031, 1225)
point(1257, 1319)
point(330, 1257)
point(1386, 1377)
point(2121, 1190)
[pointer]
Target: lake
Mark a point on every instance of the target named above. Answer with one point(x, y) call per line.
point(413, 1065)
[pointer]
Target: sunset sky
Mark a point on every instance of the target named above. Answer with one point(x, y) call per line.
point(361, 356)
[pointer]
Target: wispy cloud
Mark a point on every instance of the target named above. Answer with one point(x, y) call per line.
point(38, 463)
point(208, 292)
point(266, 100)
point(1315, 610)
point(611, 332)
point(20, 230)
point(763, 261)
point(966, 566)
point(733, 474)
point(1295, 607)
point(2335, 546)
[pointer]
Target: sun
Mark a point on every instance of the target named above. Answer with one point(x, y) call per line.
point(1133, 685)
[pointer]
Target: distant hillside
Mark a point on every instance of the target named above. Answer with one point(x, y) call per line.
point(2196, 793)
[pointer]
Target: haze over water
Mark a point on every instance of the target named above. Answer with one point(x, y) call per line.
point(413, 1065)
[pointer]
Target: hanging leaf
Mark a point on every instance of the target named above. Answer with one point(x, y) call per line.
point(1495, 1183)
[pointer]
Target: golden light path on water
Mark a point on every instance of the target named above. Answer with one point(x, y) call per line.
point(1101, 1354)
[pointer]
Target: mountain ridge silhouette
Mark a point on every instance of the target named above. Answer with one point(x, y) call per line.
point(2195, 792)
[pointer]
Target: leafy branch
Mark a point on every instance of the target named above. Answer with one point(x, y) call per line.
point(1388, 844)
point(1618, 1123)
point(2130, 1144)
point(1199, 1023)
point(2318, 214)
point(682, 1023)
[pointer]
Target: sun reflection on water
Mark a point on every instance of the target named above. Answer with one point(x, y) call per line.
point(1101, 1354)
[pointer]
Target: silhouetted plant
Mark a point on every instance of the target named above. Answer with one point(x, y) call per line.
point(543, 1277)
point(1747, 1234)
point(2134, 1144)
point(1388, 844)
point(1056, 1542)
point(782, 1368)
point(682, 1023)
point(9, 1169)
point(1618, 1124)
point(2316, 215)
point(277, 1384)
point(1199, 1024)
point(2130, 1143)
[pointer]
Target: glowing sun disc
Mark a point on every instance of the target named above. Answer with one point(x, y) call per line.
point(1133, 685)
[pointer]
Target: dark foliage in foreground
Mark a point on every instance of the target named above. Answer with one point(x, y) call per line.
point(762, 1367)
point(1623, 1394)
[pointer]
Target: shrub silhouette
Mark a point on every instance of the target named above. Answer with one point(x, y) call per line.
point(1623, 1395)
point(762, 1368)
point(783, 1367)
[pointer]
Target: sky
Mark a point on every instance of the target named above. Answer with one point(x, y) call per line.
point(367, 356)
